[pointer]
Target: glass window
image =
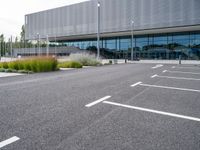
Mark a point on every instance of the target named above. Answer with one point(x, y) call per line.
point(125, 43)
point(111, 44)
point(181, 40)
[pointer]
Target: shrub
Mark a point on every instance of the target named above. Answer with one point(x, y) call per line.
point(5, 65)
point(34, 64)
point(1, 65)
point(70, 64)
point(2, 70)
point(8, 70)
point(13, 65)
point(42, 64)
point(85, 59)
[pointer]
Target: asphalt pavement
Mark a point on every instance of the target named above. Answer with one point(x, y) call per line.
point(117, 107)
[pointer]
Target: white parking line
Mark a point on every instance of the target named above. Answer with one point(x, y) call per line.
point(138, 83)
point(168, 87)
point(153, 111)
point(157, 66)
point(187, 67)
point(164, 71)
point(164, 87)
point(178, 78)
point(9, 141)
point(154, 76)
point(97, 101)
point(180, 72)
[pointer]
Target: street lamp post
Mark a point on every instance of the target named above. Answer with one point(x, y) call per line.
point(132, 28)
point(98, 29)
point(38, 44)
point(55, 50)
point(11, 49)
point(35, 42)
point(47, 45)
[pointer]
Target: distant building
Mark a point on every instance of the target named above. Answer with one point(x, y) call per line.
point(163, 29)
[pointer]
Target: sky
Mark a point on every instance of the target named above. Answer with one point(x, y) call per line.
point(12, 12)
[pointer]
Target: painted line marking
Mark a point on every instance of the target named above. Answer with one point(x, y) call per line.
point(157, 66)
point(154, 76)
point(97, 101)
point(180, 72)
point(168, 87)
point(195, 68)
point(164, 71)
point(9, 141)
point(173, 67)
point(153, 111)
point(178, 78)
point(138, 83)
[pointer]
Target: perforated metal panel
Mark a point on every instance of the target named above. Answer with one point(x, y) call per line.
point(116, 16)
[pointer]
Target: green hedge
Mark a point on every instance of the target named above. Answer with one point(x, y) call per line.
point(34, 64)
point(70, 64)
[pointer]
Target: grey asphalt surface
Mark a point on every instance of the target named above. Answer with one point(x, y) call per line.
point(47, 110)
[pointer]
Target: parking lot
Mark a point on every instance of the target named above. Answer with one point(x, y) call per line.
point(133, 106)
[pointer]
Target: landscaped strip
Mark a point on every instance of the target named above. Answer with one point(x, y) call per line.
point(33, 64)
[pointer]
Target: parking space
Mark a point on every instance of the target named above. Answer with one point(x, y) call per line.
point(171, 99)
point(128, 107)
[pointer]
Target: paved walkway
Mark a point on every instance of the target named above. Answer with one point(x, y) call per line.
point(188, 62)
point(2, 74)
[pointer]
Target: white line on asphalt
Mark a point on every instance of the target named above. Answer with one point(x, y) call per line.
point(178, 78)
point(157, 66)
point(154, 76)
point(167, 87)
point(173, 67)
point(180, 72)
point(189, 68)
point(153, 111)
point(9, 141)
point(138, 83)
point(97, 101)
point(164, 71)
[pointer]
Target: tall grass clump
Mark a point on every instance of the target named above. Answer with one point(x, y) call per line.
point(34, 64)
point(85, 59)
point(70, 64)
point(4, 65)
point(1, 65)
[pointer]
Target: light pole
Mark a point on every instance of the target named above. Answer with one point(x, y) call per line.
point(47, 45)
point(98, 29)
point(55, 46)
point(132, 28)
point(38, 44)
point(11, 49)
point(35, 42)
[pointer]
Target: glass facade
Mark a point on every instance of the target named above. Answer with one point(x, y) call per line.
point(158, 46)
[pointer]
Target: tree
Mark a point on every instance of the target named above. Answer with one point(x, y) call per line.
point(17, 43)
point(2, 43)
point(22, 37)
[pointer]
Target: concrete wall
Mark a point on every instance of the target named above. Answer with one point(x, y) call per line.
point(43, 51)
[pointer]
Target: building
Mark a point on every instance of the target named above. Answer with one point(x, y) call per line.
point(163, 29)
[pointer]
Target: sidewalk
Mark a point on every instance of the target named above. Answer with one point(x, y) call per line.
point(122, 61)
point(3, 74)
point(186, 62)
point(7, 59)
